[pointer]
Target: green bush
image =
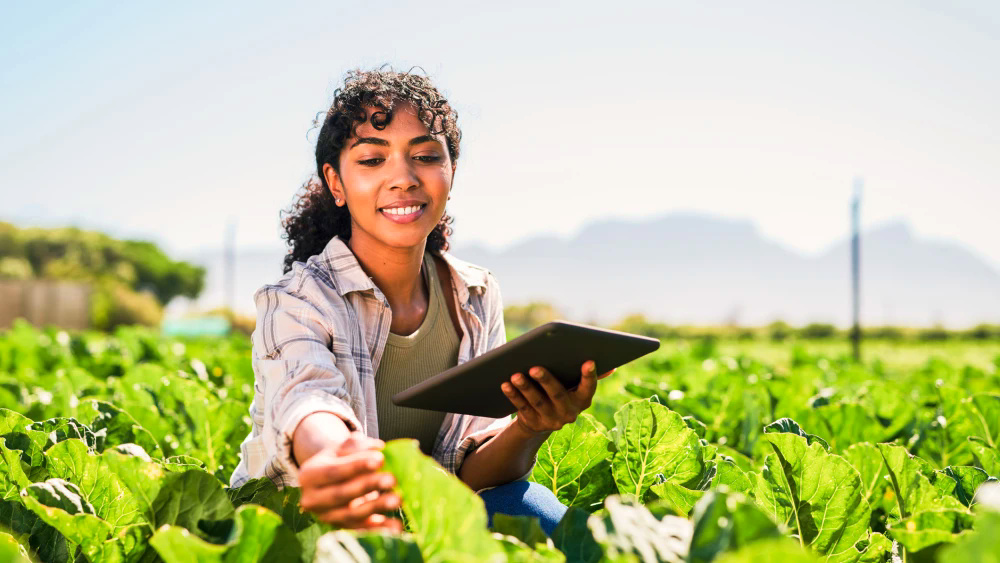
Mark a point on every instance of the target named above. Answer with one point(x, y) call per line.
point(779, 331)
point(527, 317)
point(75, 254)
point(818, 331)
point(15, 268)
point(893, 333)
point(132, 280)
point(638, 324)
point(983, 332)
point(935, 334)
point(113, 305)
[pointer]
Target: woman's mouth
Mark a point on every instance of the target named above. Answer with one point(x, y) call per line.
point(404, 214)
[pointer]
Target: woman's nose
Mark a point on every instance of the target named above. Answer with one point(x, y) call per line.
point(402, 174)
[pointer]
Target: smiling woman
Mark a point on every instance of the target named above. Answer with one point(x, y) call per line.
point(361, 110)
point(372, 303)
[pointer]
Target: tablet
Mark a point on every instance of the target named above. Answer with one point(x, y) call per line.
point(562, 347)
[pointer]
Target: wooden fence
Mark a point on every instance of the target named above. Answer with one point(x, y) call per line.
point(63, 304)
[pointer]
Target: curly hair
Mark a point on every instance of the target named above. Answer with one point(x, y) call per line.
point(313, 219)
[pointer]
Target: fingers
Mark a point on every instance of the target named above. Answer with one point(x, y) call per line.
point(358, 441)
point(603, 375)
point(382, 521)
point(516, 399)
point(561, 400)
point(536, 397)
point(588, 384)
point(343, 486)
point(328, 469)
point(359, 510)
point(334, 496)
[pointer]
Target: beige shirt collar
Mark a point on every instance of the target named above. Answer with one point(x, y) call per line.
point(348, 275)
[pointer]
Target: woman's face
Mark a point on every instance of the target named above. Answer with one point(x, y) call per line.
point(402, 164)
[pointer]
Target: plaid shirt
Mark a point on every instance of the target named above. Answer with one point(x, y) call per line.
point(321, 330)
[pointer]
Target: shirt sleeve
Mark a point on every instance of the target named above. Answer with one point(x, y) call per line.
point(479, 429)
point(294, 365)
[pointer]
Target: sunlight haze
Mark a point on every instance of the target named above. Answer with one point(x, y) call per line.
point(163, 122)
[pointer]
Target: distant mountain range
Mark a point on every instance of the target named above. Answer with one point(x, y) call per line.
point(696, 269)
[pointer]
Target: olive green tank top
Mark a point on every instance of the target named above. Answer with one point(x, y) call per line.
point(408, 360)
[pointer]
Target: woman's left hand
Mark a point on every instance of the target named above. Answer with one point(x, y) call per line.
point(543, 404)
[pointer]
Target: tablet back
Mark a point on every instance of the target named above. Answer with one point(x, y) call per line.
point(560, 346)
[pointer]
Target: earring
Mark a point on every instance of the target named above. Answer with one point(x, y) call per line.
point(337, 200)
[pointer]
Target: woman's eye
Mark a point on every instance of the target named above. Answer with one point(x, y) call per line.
point(376, 161)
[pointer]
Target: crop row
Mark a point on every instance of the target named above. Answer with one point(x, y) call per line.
point(118, 448)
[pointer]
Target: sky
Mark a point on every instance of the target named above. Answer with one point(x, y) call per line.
point(166, 122)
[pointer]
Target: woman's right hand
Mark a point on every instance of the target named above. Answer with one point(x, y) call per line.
point(343, 486)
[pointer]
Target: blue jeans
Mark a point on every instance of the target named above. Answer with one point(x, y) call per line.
point(524, 498)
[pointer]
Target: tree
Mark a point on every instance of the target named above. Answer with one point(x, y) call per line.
point(132, 279)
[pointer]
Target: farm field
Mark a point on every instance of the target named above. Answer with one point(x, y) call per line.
point(119, 448)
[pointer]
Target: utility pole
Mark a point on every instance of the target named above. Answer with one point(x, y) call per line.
point(856, 268)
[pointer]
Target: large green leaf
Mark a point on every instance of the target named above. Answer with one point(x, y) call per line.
point(913, 490)
point(11, 421)
point(789, 426)
point(572, 462)
point(573, 537)
point(11, 550)
point(781, 550)
point(681, 498)
point(14, 470)
point(25, 526)
point(874, 478)
point(90, 532)
point(185, 499)
point(842, 424)
point(144, 479)
point(283, 501)
point(22, 460)
point(62, 494)
point(118, 427)
point(342, 546)
point(727, 521)
point(979, 416)
point(60, 429)
point(650, 439)
point(112, 500)
point(967, 481)
point(307, 538)
point(628, 529)
point(876, 549)
point(255, 529)
point(184, 416)
point(527, 529)
point(517, 551)
point(930, 527)
point(980, 546)
point(730, 475)
point(817, 494)
point(987, 456)
point(444, 515)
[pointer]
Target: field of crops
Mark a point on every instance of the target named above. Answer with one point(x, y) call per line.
point(119, 447)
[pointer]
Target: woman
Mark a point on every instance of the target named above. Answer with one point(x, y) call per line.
point(372, 303)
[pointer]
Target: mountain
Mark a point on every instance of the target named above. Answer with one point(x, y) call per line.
point(698, 269)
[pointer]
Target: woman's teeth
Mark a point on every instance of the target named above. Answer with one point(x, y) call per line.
point(403, 210)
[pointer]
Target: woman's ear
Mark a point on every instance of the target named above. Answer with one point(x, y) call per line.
point(333, 181)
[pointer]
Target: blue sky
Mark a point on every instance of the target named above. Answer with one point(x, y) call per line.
point(163, 122)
